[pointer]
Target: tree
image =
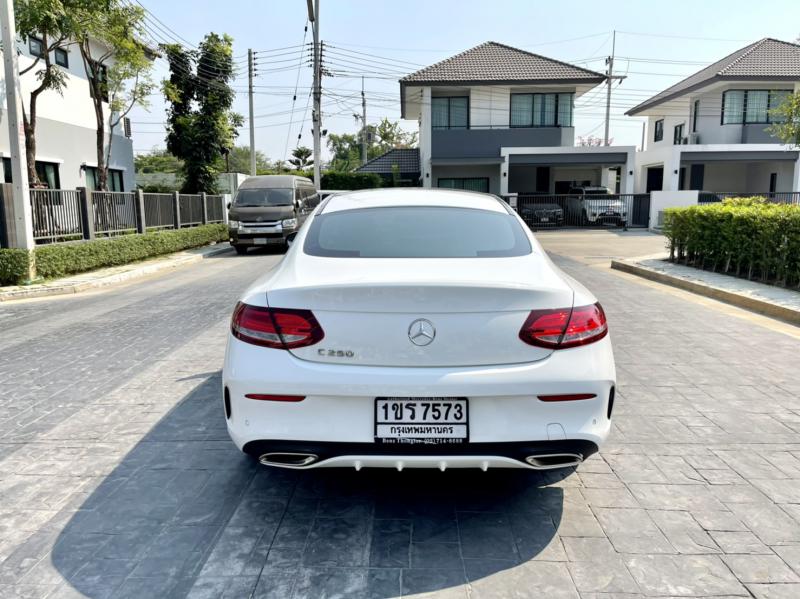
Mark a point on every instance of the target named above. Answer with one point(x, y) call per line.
point(201, 126)
point(117, 65)
point(386, 135)
point(51, 22)
point(158, 161)
point(301, 158)
point(787, 117)
point(239, 161)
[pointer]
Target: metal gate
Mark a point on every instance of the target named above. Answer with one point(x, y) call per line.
point(546, 211)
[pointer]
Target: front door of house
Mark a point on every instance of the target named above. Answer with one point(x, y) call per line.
point(655, 178)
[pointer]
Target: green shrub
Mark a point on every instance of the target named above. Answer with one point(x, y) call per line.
point(58, 260)
point(13, 266)
point(743, 236)
point(338, 180)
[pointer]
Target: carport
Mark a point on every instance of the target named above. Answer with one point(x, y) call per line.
point(553, 170)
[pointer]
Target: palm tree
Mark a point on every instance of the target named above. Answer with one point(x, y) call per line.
point(301, 158)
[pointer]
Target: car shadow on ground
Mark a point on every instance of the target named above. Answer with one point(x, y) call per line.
point(186, 514)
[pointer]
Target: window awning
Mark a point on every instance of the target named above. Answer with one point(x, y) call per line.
point(576, 158)
point(467, 160)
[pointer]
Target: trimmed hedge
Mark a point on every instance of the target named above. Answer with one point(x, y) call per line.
point(351, 181)
point(58, 260)
point(13, 266)
point(746, 237)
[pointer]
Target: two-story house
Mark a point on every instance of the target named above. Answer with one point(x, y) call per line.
point(709, 131)
point(500, 119)
point(66, 154)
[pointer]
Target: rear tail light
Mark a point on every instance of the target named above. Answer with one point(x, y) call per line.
point(565, 327)
point(279, 328)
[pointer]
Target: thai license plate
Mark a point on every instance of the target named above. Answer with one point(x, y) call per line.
point(427, 420)
point(267, 240)
point(545, 219)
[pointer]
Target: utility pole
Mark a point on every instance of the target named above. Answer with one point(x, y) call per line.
point(250, 71)
point(22, 227)
point(364, 133)
point(316, 117)
point(609, 81)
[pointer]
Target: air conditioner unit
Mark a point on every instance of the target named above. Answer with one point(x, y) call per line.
point(694, 138)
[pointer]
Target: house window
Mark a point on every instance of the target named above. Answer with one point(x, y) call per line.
point(62, 58)
point(468, 183)
point(677, 135)
point(450, 112)
point(114, 182)
point(541, 110)
point(776, 98)
point(48, 174)
point(36, 47)
point(7, 170)
point(102, 72)
point(751, 106)
point(695, 112)
point(659, 132)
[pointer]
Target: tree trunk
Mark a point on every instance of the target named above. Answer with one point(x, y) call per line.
point(29, 126)
point(102, 170)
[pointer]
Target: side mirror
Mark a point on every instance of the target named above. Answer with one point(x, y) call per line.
point(290, 238)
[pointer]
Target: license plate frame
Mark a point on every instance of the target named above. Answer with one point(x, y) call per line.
point(422, 439)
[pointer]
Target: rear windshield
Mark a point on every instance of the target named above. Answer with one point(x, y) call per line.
point(264, 197)
point(416, 232)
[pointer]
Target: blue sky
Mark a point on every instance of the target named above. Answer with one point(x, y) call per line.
point(657, 45)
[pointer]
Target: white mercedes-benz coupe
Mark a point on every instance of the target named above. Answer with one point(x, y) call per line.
point(417, 328)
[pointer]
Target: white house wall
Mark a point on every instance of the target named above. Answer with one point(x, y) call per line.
point(66, 126)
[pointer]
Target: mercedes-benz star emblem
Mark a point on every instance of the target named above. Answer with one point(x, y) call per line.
point(421, 332)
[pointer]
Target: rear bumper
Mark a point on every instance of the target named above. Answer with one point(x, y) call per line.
point(470, 455)
point(337, 416)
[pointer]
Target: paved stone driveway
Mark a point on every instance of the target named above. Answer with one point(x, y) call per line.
point(117, 478)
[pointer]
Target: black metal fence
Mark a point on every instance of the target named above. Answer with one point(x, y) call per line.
point(544, 211)
point(61, 215)
point(56, 215)
point(114, 212)
point(777, 197)
point(159, 212)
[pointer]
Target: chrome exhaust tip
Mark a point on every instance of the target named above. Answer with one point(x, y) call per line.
point(550, 461)
point(288, 460)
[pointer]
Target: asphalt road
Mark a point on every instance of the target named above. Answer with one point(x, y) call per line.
point(117, 478)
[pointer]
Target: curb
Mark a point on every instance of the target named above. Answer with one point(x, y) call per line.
point(176, 261)
point(729, 297)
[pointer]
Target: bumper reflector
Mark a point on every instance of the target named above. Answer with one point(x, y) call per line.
point(567, 397)
point(265, 397)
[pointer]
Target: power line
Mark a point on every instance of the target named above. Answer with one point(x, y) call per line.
point(294, 96)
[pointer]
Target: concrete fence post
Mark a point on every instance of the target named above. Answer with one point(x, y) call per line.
point(87, 212)
point(204, 203)
point(176, 209)
point(7, 232)
point(141, 224)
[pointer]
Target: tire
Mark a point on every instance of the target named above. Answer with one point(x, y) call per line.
point(240, 249)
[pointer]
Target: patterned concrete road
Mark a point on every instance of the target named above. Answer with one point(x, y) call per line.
point(117, 478)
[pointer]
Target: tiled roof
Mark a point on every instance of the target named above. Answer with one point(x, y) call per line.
point(491, 62)
point(766, 59)
point(406, 159)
